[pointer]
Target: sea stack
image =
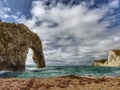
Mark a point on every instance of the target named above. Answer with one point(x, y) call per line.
point(113, 59)
point(15, 39)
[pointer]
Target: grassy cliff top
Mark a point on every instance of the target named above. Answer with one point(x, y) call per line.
point(117, 52)
point(101, 61)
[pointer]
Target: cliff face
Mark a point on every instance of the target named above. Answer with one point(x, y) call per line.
point(100, 62)
point(113, 59)
point(15, 39)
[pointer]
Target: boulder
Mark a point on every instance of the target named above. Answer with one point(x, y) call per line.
point(15, 39)
point(113, 59)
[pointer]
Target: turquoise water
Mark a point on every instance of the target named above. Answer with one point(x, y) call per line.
point(32, 72)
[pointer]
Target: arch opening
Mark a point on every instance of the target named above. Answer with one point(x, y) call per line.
point(29, 61)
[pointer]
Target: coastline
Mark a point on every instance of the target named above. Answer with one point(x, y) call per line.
point(70, 82)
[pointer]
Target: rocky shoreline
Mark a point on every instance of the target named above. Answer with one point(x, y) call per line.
point(70, 82)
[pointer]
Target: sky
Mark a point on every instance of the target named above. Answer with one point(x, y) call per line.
point(73, 32)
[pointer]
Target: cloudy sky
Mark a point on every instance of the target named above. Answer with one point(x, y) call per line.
point(73, 32)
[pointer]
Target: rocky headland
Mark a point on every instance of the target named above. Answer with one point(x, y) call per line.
point(113, 59)
point(15, 39)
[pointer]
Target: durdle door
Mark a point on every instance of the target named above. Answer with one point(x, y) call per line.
point(15, 39)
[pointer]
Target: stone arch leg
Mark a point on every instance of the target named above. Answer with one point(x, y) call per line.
point(36, 46)
point(38, 58)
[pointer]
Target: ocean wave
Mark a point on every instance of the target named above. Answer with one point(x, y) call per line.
point(4, 71)
point(33, 72)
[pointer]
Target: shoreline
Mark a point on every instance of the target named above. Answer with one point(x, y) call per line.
point(70, 82)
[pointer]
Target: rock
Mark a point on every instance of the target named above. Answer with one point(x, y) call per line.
point(100, 62)
point(113, 59)
point(15, 39)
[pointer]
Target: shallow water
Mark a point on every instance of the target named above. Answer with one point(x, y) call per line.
point(54, 71)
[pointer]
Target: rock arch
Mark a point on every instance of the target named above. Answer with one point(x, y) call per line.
point(15, 39)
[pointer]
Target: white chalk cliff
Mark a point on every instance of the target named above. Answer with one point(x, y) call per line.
point(113, 59)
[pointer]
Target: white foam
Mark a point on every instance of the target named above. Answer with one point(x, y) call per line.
point(3, 71)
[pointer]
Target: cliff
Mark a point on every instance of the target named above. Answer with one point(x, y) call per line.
point(15, 39)
point(100, 62)
point(113, 59)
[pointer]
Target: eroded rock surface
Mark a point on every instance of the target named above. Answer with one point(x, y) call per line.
point(15, 39)
point(100, 62)
point(113, 59)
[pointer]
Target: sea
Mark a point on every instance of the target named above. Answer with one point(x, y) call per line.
point(56, 71)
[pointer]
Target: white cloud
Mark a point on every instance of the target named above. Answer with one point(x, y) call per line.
point(114, 4)
point(73, 35)
point(5, 13)
point(79, 36)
